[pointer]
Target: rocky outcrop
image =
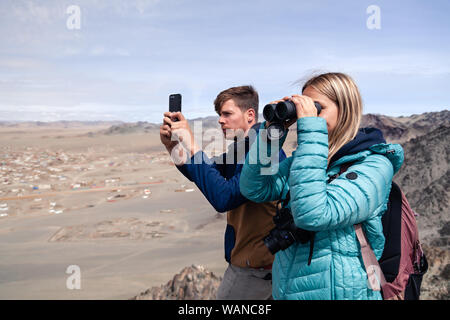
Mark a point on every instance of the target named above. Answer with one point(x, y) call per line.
point(393, 130)
point(436, 282)
point(127, 128)
point(192, 283)
point(402, 129)
point(424, 178)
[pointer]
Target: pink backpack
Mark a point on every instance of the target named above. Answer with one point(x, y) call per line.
point(399, 272)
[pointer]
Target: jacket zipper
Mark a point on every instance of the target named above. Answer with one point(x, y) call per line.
point(332, 278)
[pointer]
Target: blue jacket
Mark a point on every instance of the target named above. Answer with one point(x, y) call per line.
point(330, 209)
point(218, 180)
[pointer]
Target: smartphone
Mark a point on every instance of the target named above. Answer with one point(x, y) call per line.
point(175, 102)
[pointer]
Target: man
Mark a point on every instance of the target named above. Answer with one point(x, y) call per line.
point(248, 275)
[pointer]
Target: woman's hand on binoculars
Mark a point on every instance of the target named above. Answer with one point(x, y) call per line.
point(305, 106)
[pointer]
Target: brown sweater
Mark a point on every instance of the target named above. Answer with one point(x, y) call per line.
point(251, 222)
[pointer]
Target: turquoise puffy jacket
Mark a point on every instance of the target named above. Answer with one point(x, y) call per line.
point(330, 209)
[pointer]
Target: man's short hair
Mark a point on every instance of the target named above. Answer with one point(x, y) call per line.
point(245, 97)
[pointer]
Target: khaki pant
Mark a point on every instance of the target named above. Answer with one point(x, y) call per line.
point(245, 284)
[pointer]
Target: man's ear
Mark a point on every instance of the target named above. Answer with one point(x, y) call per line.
point(250, 115)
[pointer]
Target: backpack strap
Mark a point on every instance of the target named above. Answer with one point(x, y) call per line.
point(374, 273)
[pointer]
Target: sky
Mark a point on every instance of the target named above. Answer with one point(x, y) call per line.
point(119, 60)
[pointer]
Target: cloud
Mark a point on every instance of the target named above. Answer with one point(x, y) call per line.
point(20, 63)
point(28, 11)
point(143, 5)
point(82, 112)
point(102, 51)
point(120, 7)
point(398, 63)
point(131, 54)
point(98, 51)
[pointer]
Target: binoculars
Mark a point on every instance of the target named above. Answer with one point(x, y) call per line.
point(280, 113)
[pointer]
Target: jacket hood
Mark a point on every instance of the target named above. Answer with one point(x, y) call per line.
point(365, 138)
point(370, 140)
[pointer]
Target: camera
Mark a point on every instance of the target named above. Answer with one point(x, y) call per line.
point(280, 113)
point(285, 232)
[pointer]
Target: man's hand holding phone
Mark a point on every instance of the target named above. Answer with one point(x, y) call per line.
point(175, 133)
point(180, 129)
point(165, 132)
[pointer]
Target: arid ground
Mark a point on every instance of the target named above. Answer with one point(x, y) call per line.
point(113, 205)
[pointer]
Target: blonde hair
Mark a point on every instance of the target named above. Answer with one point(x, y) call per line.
point(342, 90)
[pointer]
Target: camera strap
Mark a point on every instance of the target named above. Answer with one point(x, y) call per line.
point(308, 236)
point(286, 200)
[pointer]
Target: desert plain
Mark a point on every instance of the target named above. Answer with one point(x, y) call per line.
point(112, 205)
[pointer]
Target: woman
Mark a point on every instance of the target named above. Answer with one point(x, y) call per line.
point(330, 266)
